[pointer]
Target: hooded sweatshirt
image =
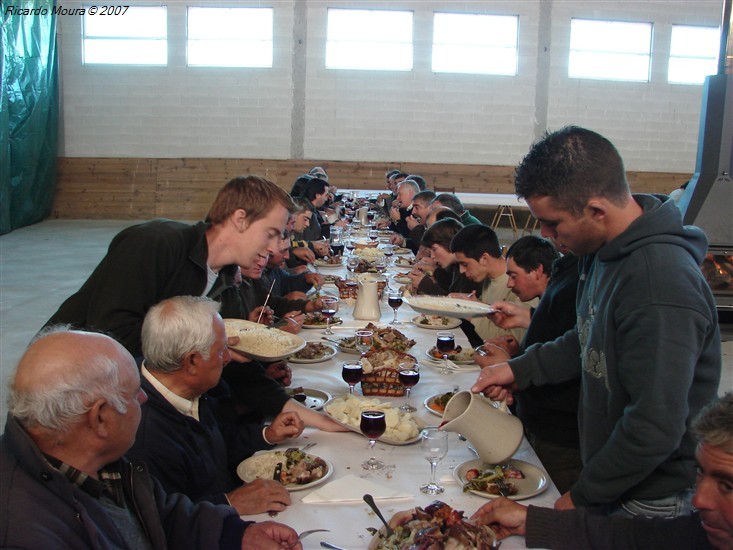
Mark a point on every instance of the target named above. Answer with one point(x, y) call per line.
point(647, 348)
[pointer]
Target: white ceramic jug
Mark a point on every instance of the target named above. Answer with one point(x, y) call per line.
point(367, 302)
point(361, 215)
point(493, 432)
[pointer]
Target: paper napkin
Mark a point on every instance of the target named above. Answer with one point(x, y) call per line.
point(352, 489)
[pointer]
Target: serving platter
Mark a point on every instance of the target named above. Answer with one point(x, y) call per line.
point(320, 359)
point(435, 322)
point(266, 461)
point(314, 399)
point(259, 335)
point(449, 307)
point(535, 479)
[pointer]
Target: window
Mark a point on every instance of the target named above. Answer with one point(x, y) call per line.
point(230, 37)
point(137, 37)
point(610, 50)
point(369, 40)
point(693, 54)
point(479, 44)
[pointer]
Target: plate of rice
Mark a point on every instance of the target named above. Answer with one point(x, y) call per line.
point(261, 343)
point(299, 470)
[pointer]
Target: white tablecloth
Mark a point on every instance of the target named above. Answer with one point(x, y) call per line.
point(407, 469)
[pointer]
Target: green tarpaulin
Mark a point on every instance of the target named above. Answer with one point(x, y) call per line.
point(28, 115)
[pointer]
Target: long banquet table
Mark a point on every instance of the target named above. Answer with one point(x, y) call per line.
point(406, 468)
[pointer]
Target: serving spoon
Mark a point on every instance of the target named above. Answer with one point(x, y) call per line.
point(369, 499)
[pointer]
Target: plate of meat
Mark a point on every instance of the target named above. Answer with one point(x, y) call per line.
point(298, 470)
point(313, 352)
point(523, 480)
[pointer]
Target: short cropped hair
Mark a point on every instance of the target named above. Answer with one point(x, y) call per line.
point(425, 197)
point(530, 252)
point(714, 424)
point(58, 406)
point(441, 232)
point(254, 194)
point(389, 174)
point(451, 201)
point(301, 205)
point(475, 240)
point(444, 213)
point(315, 187)
point(421, 183)
point(412, 184)
point(300, 185)
point(176, 327)
point(570, 166)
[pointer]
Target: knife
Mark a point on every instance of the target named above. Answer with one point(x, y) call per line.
point(331, 546)
point(277, 476)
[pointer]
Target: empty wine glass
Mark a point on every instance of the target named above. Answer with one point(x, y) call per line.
point(446, 343)
point(409, 375)
point(363, 340)
point(329, 307)
point(380, 264)
point(352, 262)
point(434, 446)
point(394, 300)
point(351, 372)
point(373, 426)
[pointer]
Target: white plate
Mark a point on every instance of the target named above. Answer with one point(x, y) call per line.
point(234, 326)
point(403, 251)
point(403, 262)
point(535, 479)
point(328, 354)
point(352, 351)
point(463, 362)
point(320, 264)
point(246, 467)
point(338, 321)
point(428, 404)
point(402, 279)
point(314, 399)
point(452, 323)
point(449, 307)
point(419, 422)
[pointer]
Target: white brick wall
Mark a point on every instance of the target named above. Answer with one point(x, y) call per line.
point(418, 116)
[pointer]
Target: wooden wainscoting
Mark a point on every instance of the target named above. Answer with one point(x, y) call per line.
point(138, 188)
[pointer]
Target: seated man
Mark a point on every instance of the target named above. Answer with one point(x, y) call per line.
point(303, 252)
point(455, 204)
point(182, 436)
point(477, 251)
point(402, 206)
point(416, 222)
point(74, 408)
point(711, 526)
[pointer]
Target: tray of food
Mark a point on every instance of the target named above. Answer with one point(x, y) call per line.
point(523, 480)
point(316, 320)
point(313, 399)
point(449, 307)
point(299, 470)
point(402, 427)
point(313, 352)
point(435, 322)
point(262, 343)
point(435, 526)
point(436, 403)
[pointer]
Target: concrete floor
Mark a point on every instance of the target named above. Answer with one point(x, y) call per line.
point(41, 265)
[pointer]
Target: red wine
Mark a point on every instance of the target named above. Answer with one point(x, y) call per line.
point(374, 237)
point(372, 424)
point(351, 374)
point(330, 312)
point(370, 215)
point(338, 249)
point(409, 378)
point(394, 302)
point(388, 252)
point(351, 246)
point(351, 283)
point(445, 344)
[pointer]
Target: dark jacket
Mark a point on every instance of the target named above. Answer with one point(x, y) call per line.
point(196, 458)
point(144, 264)
point(41, 508)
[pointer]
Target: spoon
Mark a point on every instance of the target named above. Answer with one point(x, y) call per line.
point(369, 499)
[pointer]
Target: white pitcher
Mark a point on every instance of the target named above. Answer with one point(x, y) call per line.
point(367, 302)
point(494, 433)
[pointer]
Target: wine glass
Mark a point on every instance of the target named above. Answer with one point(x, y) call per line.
point(352, 262)
point(337, 241)
point(380, 264)
point(373, 235)
point(329, 307)
point(350, 245)
point(389, 250)
point(373, 426)
point(351, 372)
point(434, 447)
point(409, 374)
point(363, 340)
point(394, 300)
point(446, 343)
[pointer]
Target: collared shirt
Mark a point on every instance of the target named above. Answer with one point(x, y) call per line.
point(184, 406)
point(109, 482)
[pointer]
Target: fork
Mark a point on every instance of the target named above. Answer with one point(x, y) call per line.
point(306, 533)
point(503, 487)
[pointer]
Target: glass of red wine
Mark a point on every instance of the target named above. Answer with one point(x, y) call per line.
point(394, 300)
point(373, 235)
point(351, 372)
point(389, 250)
point(409, 374)
point(329, 307)
point(446, 343)
point(373, 426)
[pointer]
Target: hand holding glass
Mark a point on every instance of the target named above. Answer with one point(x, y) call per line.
point(373, 426)
point(434, 446)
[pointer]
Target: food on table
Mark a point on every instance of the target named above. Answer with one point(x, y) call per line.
point(313, 350)
point(298, 394)
point(458, 354)
point(385, 358)
point(369, 254)
point(261, 341)
point(439, 402)
point(389, 337)
point(347, 410)
point(298, 468)
point(330, 279)
point(484, 480)
point(381, 372)
point(433, 320)
point(317, 318)
point(436, 526)
point(404, 262)
point(348, 343)
point(329, 260)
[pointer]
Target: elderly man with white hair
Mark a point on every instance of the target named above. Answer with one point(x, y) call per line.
point(74, 409)
point(183, 436)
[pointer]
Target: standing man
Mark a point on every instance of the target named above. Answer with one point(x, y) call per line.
point(152, 261)
point(646, 343)
point(74, 408)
